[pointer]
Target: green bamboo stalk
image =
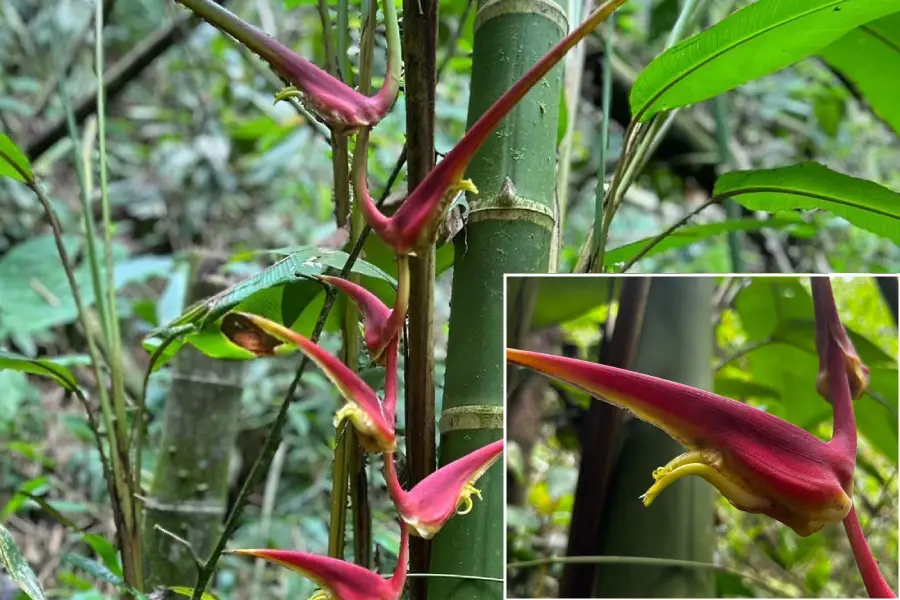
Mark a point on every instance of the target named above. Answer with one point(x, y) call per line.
point(420, 19)
point(509, 231)
point(190, 481)
point(679, 524)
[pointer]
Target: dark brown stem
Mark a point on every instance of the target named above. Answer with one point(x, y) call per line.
point(420, 58)
point(599, 439)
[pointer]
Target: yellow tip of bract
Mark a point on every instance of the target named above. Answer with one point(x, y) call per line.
point(322, 595)
point(368, 434)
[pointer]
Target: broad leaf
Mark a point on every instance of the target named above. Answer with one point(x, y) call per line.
point(563, 299)
point(19, 570)
point(54, 368)
point(808, 186)
point(755, 41)
point(13, 163)
point(778, 310)
point(869, 57)
point(35, 294)
point(189, 592)
point(692, 234)
point(285, 292)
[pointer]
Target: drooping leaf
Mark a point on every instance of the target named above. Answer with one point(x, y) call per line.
point(808, 186)
point(189, 592)
point(753, 42)
point(869, 57)
point(692, 234)
point(13, 163)
point(101, 573)
point(19, 570)
point(54, 368)
point(284, 292)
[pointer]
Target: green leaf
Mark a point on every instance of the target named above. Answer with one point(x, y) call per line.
point(809, 185)
point(189, 592)
point(13, 163)
point(100, 572)
point(562, 299)
point(19, 571)
point(54, 368)
point(692, 234)
point(753, 42)
point(35, 294)
point(869, 57)
point(285, 292)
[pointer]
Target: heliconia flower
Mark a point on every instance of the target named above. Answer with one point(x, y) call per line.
point(829, 326)
point(338, 105)
point(382, 324)
point(760, 463)
point(363, 409)
point(339, 579)
point(447, 491)
point(416, 223)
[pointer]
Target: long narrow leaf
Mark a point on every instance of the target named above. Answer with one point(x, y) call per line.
point(755, 41)
point(54, 368)
point(19, 570)
point(808, 186)
point(869, 57)
point(686, 236)
point(13, 163)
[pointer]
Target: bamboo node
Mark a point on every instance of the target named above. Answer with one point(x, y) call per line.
point(475, 416)
point(548, 9)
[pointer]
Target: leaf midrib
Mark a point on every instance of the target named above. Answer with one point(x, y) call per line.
point(716, 55)
point(791, 192)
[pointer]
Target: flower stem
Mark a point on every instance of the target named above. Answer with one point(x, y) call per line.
point(876, 586)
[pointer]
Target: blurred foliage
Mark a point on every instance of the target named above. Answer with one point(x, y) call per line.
point(764, 355)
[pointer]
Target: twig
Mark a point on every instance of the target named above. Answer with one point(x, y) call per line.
point(197, 561)
point(117, 78)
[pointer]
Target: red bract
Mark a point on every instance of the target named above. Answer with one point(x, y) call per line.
point(415, 224)
point(334, 102)
point(760, 463)
point(829, 327)
point(339, 579)
point(447, 491)
point(363, 409)
point(382, 324)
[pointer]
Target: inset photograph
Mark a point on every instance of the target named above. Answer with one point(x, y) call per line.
point(701, 436)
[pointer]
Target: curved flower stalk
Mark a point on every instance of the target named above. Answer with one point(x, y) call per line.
point(444, 493)
point(363, 409)
point(829, 327)
point(760, 463)
point(382, 324)
point(839, 363)
point(416, 223)
point(876, 586)
point(339, 579)
point(331, 100)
